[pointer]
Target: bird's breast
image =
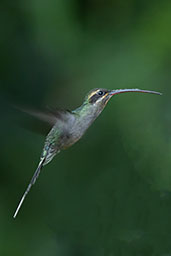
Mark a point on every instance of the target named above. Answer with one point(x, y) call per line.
point(74, 130)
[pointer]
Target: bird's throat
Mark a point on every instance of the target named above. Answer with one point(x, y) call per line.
point(88, 114)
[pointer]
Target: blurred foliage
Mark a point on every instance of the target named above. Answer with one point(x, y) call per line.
point(110, 194)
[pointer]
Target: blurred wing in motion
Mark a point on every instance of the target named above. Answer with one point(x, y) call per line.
point(42, 121)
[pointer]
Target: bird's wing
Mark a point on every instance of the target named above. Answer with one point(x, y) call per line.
point(49, 115)
point(45, 120)
point(61, 114)
point(45, 116)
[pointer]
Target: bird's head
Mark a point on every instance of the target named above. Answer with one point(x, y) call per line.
point(99, 97)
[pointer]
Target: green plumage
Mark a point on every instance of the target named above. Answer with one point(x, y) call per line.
point(68, 127)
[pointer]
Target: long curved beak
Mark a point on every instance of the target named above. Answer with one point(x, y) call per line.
point(113, 92)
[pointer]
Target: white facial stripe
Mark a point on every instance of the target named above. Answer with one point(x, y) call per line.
point(93, 93)
point(101, 98)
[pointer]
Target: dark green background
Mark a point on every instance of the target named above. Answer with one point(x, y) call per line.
point(110, 194)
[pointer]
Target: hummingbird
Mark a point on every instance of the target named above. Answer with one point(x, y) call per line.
point(69, 126)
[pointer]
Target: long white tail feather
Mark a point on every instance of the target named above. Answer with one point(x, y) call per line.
point(33, 180)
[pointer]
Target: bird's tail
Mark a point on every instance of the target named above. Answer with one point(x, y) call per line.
point(33, 180)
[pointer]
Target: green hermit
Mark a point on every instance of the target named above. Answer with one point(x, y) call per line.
point(69, 126)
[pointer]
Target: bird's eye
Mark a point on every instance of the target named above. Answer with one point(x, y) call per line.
point(101, 93)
